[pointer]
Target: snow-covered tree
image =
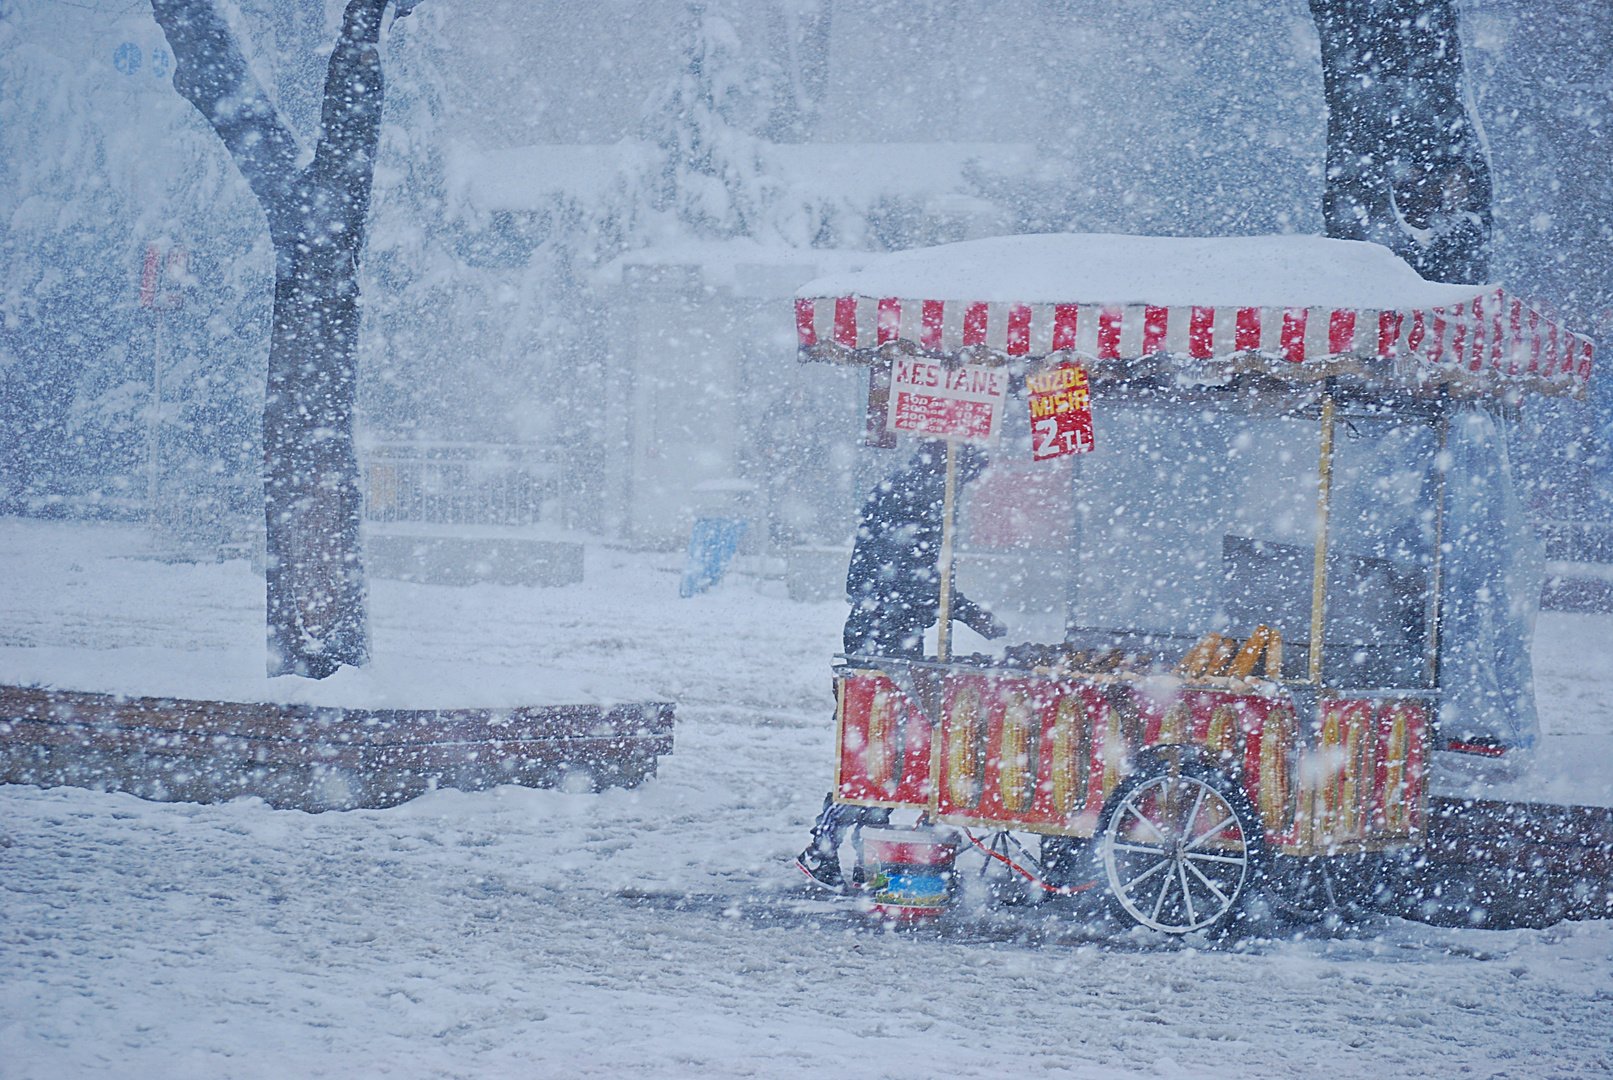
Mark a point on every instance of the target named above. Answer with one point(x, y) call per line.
point(316, 216)
point(798, 47)
point(129, 291)
point(707, 171)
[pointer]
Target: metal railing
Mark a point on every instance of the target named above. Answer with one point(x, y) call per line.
point(1577, 541)
point(445, 483)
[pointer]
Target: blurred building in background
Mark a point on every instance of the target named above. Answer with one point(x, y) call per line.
point(590, 217)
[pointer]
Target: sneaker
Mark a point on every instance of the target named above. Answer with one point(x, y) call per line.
point(824, 869)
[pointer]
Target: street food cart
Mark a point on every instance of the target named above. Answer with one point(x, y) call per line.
point(1237, 658)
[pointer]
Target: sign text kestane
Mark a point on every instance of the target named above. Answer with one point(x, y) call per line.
point(929, 398)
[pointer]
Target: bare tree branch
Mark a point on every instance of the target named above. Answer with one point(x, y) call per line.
point(350, 122)
point(211, 73)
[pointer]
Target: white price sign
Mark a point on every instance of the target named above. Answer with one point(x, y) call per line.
point(929, 398)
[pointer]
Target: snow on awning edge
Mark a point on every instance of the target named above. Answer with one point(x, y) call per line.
point(1492, 344)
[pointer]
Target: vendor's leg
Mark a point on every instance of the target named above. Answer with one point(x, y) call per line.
point(859, 635)
point(821, 859)
point(829, 826)
point(884, 631)
point(899, 637)
point(830, 830)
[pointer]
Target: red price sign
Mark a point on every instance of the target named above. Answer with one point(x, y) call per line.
point(1061, 411)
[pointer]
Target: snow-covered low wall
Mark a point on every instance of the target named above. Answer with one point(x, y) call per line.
point(467, 560)
point(314, 757)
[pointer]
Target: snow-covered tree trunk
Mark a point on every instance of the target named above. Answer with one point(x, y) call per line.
point(316, 214)
point(1406, 166)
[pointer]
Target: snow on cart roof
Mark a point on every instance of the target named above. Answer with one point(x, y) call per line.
point(1296, 307)
point(1052, 268)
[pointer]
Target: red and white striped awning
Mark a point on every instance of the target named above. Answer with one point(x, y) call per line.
point(1487, 342)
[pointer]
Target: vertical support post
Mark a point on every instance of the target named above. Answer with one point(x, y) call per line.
point(154, 428)
point(1324, 503)
point(943, 632)
point(1436, 571)
point(875, 433)
point(1072, 556)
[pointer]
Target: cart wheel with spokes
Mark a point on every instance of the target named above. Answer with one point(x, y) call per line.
point(1179, 845)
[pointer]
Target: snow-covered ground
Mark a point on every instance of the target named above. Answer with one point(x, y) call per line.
point(660, 931)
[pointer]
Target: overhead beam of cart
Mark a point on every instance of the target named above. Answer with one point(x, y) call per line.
point(1295, 308)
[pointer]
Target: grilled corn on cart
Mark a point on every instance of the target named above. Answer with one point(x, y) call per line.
point(1240, 625)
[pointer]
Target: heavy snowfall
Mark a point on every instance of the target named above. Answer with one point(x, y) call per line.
point(546, 440)
point(663, 931)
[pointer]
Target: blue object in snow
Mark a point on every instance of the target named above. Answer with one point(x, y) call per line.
point(126, 58)
point(710, 548)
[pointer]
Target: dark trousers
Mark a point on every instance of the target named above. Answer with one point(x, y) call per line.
point(879, 633)
point(836, 818)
